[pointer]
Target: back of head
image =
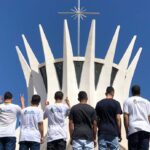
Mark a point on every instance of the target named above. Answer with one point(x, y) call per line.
point(35, 100)
point(82, 96)
point(110, 91)
point(59, 95)
point(8, 96)
point(136, 90)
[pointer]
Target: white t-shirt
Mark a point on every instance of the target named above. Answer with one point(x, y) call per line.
point(30, 117)
point(138, 109)
point(56, 115)
point(8, 118)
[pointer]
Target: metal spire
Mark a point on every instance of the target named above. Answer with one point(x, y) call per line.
point(79, 13)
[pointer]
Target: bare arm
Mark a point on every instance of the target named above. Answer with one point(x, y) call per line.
point(126, 122)
point(1, 99)
point(149, 118)
point(45, 113)
point(67, 102)
point(22, 100)
point(41, 129)
point(94, 131)
point(118, 120)
point(71, 128)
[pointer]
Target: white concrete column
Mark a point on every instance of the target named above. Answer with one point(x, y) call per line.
point(70, 87)
point(52, 80)
point(119, 81)
point(36, 75)
point(27, 73)
point(105, 76)
point(88, 73)
point(130, 73)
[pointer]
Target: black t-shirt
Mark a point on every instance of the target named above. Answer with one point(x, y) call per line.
point(106, 110)
point(82, 116)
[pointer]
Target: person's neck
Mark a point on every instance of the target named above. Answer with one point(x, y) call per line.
point(83, 102)
point(109, 97)
point(136, 95)
point(58, 101)
point(7, 101)
point(33, 105)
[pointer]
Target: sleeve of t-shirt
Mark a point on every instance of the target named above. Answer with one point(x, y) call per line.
point(118, 110)
point(125, 107)
point(40, 116)
point(71, 114)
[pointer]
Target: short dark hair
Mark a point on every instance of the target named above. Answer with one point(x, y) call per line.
point(35, 100)
point(59, 95)
point(8, 95)
point(82, 96)
point(136, 90)
point(110, 90)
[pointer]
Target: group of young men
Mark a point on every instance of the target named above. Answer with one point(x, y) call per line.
point(84, 121)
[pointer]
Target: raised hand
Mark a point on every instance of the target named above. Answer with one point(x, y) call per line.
point(67, 101)
point(1, 99)
point(22, 100)
point(46, 102)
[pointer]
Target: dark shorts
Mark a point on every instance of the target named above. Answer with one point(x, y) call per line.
point(26, 145)
point(7, 143)
point(56, 145)
point(139, 141)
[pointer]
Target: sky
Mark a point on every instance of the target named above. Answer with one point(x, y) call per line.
point(23, 17)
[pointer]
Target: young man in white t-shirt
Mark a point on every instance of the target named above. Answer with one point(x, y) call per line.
point(56, 114)
point(31, 126)
point(8, 119)
point(137, 120)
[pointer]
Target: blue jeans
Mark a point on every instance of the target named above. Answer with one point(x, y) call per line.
point(7, 143)
point(108, 142)
point(25, 145)
point(82, 145)
point(139, 141)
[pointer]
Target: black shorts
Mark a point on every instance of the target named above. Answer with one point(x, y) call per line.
point(139, 141)
point(57, 145)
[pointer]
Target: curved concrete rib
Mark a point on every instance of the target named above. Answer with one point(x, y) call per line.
point(121, 74)
point(32, 59)
point(119, 82)
point(37, 78)
point(105, 76)
point(130, 73)
point(27, 73)
point(25, 67)
point(52, 80)
point(70, 87)
point(125, 59)
point(88, 72)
